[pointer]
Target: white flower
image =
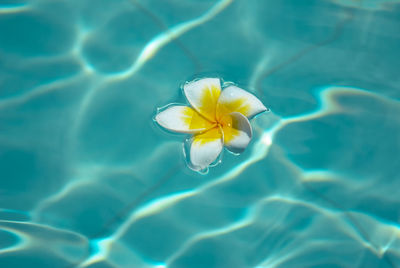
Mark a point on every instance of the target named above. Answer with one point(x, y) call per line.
point(218, 118)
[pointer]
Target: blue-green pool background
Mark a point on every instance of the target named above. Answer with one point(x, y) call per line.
point(88, 180)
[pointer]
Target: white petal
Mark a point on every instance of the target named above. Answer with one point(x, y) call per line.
point(203, 95)
point(234, 99)
point(205, 148)
point(182, 119)
point(238, 133)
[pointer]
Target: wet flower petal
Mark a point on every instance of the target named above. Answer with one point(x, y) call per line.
point(234, 99)
point(237, 132)
point(182, 119)
point(203, 95)
point(205, 148)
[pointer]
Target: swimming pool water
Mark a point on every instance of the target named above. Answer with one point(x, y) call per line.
point(88, 180)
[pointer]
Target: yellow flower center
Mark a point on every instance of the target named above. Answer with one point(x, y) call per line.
point(220, 122)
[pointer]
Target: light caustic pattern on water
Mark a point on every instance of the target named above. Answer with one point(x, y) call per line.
point(88, 180)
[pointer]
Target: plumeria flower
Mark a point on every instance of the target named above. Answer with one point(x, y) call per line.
point(216, 119)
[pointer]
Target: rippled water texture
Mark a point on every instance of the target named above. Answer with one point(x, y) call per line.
point(88, 180)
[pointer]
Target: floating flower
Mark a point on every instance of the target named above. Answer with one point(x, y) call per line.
point(218, 118)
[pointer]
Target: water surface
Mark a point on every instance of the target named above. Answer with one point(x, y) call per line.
point(88, 180)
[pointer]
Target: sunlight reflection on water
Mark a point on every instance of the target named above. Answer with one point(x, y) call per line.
point(88, 181)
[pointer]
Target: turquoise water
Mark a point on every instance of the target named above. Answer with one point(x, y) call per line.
point(88, 180)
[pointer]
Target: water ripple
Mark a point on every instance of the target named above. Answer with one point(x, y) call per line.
point(91, 182)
